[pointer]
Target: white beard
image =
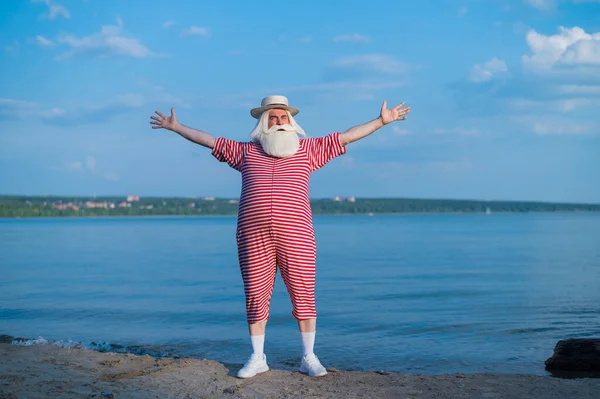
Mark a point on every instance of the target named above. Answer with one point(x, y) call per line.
point(280, 143)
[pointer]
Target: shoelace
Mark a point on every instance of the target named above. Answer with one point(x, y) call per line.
point(313, 361)
point(252, 361)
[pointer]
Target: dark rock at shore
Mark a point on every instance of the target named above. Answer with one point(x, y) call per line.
point(577, 357)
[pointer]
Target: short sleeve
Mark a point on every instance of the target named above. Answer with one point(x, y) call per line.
point(323, 149)
point(230, 151)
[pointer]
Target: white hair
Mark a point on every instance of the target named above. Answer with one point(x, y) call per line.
point(263, 125)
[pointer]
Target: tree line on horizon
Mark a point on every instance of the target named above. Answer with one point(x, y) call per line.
point(55, 206)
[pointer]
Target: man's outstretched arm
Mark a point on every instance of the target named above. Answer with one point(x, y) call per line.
point(386, 116)
point(171, 123)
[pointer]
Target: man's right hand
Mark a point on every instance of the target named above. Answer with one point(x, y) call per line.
point(165, 122)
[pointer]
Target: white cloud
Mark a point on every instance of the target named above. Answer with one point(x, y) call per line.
point(572, 104)
point(358, 86)
point(52, 113)
point(354, 37)
point(19, 109)
point(89, 112)
point(43, 41)
point(386, 140)
point(492, 69)
point(399, 131)
point(54, 10)
point(15, 103)
point(553, 128)
point(580, 89)
point(101, 112)
point(168, 24)
point(380, 63)
point(300, 39)
point(153, 94)
point(551, 5)
point(91, 167)
point(458, 130)
point(109, 41)
point(348, 90)
point(196, 31)
point(552, 105)
point(584, 52)
point(16, 108)
point(570, 47)
point(543, 5)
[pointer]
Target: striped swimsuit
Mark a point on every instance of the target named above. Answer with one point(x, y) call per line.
point(275, 221)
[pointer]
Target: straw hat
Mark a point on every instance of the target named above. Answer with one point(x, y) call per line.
point(272, 102)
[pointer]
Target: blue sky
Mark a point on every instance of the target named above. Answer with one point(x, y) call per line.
point(505, 94)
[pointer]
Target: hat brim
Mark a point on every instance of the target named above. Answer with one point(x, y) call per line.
point(257, 112)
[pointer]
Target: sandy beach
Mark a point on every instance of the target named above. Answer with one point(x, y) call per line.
point(54, 372)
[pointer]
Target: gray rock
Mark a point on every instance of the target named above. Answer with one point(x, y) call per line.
point(575, 357)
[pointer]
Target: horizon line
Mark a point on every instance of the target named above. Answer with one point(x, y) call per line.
point(311, 198)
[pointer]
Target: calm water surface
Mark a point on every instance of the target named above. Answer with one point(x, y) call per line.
point(405, 293)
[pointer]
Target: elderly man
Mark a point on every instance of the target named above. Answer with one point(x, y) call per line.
point(274, 220)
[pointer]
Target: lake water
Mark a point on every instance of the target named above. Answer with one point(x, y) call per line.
point(404, 293)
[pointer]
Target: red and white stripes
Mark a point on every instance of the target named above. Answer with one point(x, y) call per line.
point(275, 221)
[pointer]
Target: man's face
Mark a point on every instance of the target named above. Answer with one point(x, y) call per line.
point(278, 117)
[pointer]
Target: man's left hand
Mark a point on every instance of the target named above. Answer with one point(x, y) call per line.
point(395, 114)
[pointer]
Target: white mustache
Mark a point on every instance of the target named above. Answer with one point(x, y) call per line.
point(276, 128)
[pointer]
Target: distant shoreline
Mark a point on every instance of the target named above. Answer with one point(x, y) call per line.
point(184, 216)
point(22, 197)
point(132, 205)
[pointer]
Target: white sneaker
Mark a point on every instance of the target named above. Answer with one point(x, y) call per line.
point(312, 366)
point(255, 365)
